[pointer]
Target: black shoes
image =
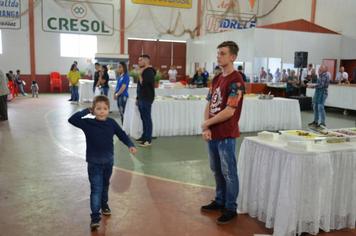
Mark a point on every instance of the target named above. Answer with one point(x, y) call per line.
point(140, 140)
point(227, 217)
point(213, 206)
point(94, 223)
point(70, 100)
point(106, 210)
point(313, 124)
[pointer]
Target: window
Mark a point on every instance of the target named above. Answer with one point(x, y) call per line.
point(78, 45)
point(0, 43)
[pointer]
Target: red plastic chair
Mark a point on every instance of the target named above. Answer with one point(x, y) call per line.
point(56, 81)
point(12, 88)
point(183, 82)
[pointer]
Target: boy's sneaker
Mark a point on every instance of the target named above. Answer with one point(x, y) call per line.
point(106, 210)
point(213, 206)
point(145, 144)
point(313, 124)
point(227, 217)
point(94, 223)
point(140, 140)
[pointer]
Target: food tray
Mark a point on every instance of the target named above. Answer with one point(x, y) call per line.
point(265, 97)
point(292, 135)
point(350, 136)
point(193, 97)
point(331, 137)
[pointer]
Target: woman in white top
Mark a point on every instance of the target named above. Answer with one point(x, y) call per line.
point(172, 74)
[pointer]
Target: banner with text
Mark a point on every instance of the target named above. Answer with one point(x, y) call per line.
point(10, 14)
point(215, 24)
point(78, 17)
point(166, 3)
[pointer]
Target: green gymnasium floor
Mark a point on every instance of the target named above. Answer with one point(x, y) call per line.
point(44, 186)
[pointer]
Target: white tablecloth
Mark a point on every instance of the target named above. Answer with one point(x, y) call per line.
point(86, 91)
point(275, 114)
point(298, 192)
point(256, 115)
point(169, 118)
point(340, 96)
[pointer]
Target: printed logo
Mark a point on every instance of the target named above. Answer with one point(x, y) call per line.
point(79, 10)
point(216, 100)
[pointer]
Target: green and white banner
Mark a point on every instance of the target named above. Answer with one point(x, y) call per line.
point(78, 17)
point(10, 14)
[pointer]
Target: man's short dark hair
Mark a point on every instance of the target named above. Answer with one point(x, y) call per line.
point(97, 63)
point(11, 72)
point(239, 67)
point(311, 65)
point(231, 45)
point(146, 56)
point(18, 71)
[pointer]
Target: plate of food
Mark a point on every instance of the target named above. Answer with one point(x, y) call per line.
point(301, 135)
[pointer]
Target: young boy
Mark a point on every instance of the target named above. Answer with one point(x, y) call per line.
point(99, 132)
point(220, 130)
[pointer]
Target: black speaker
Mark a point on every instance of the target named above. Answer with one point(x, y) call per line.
point(300, 59)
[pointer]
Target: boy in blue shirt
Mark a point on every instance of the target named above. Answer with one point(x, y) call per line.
point(99, 132)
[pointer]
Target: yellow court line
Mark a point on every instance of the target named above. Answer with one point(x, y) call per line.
point(51, 135)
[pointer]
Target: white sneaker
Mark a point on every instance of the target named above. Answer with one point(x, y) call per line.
point(145, 144)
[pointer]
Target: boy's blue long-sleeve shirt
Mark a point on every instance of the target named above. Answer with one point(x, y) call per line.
point(99, 137)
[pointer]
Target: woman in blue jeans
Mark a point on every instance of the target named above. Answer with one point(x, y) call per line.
point(104, 80)
point(122, 87)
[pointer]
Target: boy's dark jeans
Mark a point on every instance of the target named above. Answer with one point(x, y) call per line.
point(99, 178)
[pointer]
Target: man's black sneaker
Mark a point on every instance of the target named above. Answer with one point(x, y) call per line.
point(145, 144)
point(106, 210)
point(70, 100)
point(227, 217)
point(313, 124)
point(213, 206)
point(140, 140)
point(94, 223)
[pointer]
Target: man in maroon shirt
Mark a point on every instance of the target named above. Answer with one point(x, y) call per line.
point(220, 130)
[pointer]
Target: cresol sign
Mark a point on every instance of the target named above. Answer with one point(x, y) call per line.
point(78, 17)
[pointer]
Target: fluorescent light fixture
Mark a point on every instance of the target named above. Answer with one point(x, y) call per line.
point(174, 41)
point(142, 39)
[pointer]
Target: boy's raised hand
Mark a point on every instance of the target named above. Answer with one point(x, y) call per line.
point(133, 150)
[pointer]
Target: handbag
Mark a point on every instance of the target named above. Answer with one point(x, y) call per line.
point(97, 91)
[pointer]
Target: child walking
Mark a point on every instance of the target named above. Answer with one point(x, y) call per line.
point(34, 88)
point(99, 133)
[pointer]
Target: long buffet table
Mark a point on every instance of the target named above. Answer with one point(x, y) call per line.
point(340, 96)
point(295, 192)
point(184, 117)
point(86, 91)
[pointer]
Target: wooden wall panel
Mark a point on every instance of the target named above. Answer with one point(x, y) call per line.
point(331, 64)
point(179, 50)
point(349, 66)
point(165, 49)
point(135, 47)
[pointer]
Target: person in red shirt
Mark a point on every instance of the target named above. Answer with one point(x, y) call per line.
point(220, 130)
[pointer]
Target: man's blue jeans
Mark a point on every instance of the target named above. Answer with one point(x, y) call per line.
point(99, 178)
point(144, 108)
point(223, 164)
point(74, 92)
point(319, 108)
point(121, 104)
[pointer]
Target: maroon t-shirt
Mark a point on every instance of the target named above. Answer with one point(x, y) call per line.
point(226, 91)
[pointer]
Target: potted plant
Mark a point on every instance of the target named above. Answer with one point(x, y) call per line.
point(134, 74)
point(82, 73)
point(158, 77)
